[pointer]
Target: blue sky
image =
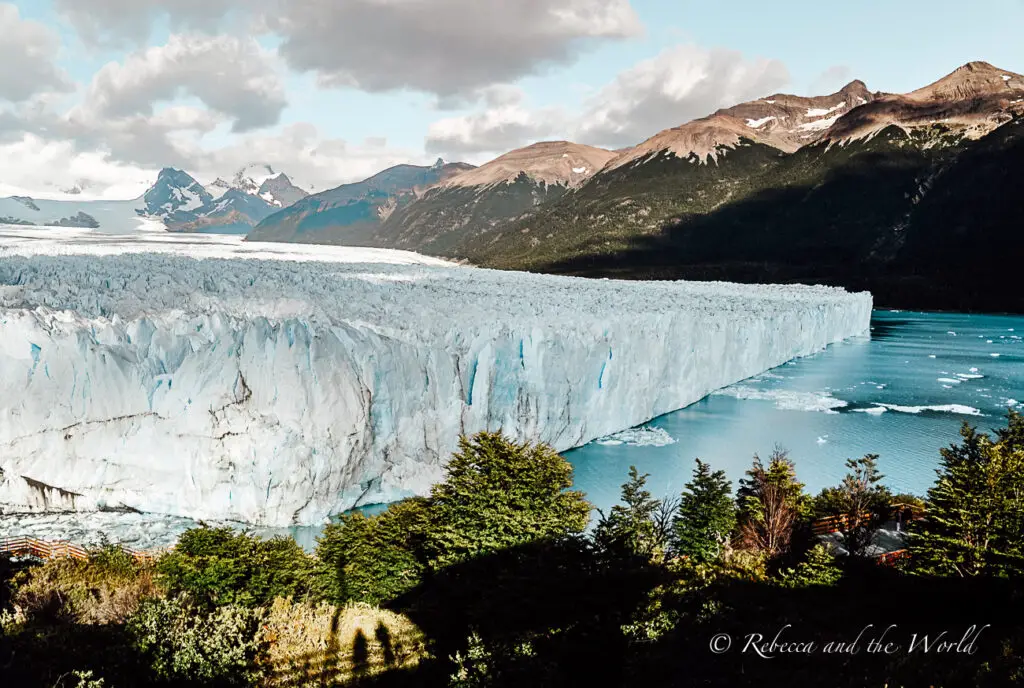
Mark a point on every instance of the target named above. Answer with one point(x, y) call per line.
point(332, 92)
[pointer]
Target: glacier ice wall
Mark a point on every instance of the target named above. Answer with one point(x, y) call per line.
point(281, 392)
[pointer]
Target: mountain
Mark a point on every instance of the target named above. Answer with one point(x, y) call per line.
point(973, 100)
point(234, 212)
point(782, 121)
point(279, 191)
point(174, 191)
point(260, 180)
point(910, 196)
point(351, 213)
point(489, 196)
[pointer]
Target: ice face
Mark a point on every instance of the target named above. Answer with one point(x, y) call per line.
point(280, 392)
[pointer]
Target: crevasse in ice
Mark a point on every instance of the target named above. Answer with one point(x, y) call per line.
point(280, 392)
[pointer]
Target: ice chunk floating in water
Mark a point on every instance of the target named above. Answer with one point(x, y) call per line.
point(280, 392)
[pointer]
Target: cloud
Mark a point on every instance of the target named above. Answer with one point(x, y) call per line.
point(28, 50)
point(682, 83)
point(504, 124)
point(120, 22)
point(446, 47)
point(312, 161)
point(121, 162)
point(231, 76)
point(34, 165)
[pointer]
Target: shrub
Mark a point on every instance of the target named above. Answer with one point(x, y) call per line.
point(105, 589)
point(218, 566)
point(499, 494)
point(819, 568)
point(376, 559)
point(186, 645)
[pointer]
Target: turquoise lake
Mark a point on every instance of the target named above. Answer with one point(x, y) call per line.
point(902, 393)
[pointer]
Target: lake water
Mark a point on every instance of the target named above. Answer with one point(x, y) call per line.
point(901, 392)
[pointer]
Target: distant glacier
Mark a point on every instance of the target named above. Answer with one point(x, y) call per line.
point(284, 388)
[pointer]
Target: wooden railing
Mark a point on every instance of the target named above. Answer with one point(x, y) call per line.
point(890, 558)
point(832, 524)
point(55, 549)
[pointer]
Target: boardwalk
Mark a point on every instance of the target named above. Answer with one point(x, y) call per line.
point(57, 549)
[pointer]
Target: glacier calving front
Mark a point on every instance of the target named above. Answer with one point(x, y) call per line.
point(279, 392)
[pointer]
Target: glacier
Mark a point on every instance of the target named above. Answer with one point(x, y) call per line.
point(206, 378)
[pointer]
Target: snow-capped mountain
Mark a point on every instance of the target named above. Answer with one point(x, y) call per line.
point(234, 212)
point(175, 191)
point(971, 101)
point(348, 213)
point(279, 191)
point(782, 121)
point(260, 180)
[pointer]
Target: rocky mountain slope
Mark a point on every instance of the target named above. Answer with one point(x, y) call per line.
point(352, 213)
point(489, 196)
point(902, 195)
point(781, 121)
point(973, 100)
point(260, 180)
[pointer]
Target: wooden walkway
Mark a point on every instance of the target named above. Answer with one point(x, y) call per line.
point(56, 549)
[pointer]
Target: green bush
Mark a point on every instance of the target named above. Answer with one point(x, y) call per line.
point(376, 559)
point(186, 645)
point(820, 568)
point(499, 494)
point(219, 566)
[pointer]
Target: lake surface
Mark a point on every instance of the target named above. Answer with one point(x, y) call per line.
point(901, 393)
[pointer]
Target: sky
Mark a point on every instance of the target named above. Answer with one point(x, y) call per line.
point(102, 94)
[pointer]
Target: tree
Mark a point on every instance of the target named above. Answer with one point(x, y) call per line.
point(770, 500)
point(499, 494)
point(629, 529)
point(860, 504)
point(376, 559)
point(706, 516)
point(974, 517)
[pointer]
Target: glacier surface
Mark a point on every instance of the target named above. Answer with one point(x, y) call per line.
point(211, 379)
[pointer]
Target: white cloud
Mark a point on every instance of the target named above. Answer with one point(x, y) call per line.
point(28, 50)
point(120, 22)
point(505, 123)
point(681, 84)
point(313, 161)
point(446, 47)
point(33, 165)
point(231, 76)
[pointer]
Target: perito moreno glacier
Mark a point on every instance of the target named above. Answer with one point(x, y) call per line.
point(278, 388)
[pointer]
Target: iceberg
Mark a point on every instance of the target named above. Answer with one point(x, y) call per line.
point(210, 379)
